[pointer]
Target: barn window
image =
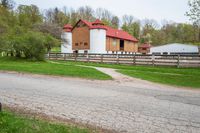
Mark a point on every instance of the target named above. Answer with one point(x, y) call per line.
point(76, 44)
point(85, 44)
point(114, 43)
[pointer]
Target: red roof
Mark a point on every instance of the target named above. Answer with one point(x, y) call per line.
point(68, 28)
point(110, 32)
point(145, 45)
point(120, 34)
point(97, 22)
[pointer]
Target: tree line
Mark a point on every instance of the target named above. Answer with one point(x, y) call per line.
point(26, 31)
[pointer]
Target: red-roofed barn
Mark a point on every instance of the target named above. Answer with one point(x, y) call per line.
point(95, 37)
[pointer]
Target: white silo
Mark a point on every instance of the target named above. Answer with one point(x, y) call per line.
point(98, 38)
point(66, 36)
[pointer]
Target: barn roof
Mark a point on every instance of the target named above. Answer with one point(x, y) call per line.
point(97, 22)
point(110, 32)
point(67, 28)
point(145, 45)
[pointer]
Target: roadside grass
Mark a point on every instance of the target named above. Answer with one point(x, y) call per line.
point(14, 123)
point(42, 67)
point(183, 77)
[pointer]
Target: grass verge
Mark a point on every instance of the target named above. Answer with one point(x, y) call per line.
point(183, 77)
point(14, 123)
point(41, 67)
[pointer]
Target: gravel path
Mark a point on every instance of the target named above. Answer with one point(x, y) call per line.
point(125, 104)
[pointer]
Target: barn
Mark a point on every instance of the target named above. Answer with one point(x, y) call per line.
point(95, 37)
point(175, 48)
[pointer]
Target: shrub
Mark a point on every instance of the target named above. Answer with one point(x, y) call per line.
point(34, 47)
point(30, 45)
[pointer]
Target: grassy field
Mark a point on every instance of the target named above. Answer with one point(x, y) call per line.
point(184, 77)
point(20, 65)
point(14, 123)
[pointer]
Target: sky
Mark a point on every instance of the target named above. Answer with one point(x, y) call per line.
point(171, 10)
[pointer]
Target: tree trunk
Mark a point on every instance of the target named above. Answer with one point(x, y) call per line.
point(11, 54)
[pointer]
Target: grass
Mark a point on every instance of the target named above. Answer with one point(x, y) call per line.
point(14, 123)
point(56, 49)
point(41, 67)
point(183, 77)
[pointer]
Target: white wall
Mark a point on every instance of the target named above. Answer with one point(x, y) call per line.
point(175, 48)
point(66, 47)
point(97, 41)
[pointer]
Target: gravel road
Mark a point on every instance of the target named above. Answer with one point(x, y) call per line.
point(124, 104)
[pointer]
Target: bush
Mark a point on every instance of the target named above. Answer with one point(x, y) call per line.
point(34, 46)
point(30, 45)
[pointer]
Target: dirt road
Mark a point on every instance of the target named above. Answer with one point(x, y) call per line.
point(125, 104)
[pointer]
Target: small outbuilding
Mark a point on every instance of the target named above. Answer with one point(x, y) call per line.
point(144, 48)
point(175, 48)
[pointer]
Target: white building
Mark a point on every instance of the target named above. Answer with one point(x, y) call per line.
point(175, 48)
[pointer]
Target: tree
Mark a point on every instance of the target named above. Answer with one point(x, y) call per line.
point(28, 15)
point(86, 13)
point(49, 28)
point(31, 45)
point(56, 16)
point(50, 42)
point(9, 4)
point(194, 13)
point(106, 17)
point(115, 22)
point(127, 19)
point(131, 25)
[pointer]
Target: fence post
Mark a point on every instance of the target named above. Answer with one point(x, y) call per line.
point(75, 57)
point(88, 58)
point(117, 58)
point(101, 58)
point(65, 56)
point(178, 61)
point(153, 60)
point(134, 59)
point(49, 56)
point(56, 56)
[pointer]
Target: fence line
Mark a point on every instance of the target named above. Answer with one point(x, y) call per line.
point(131, 59)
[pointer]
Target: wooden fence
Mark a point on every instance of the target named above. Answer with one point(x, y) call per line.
point(131, 59)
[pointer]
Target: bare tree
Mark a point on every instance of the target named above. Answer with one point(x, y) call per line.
point(86, 13)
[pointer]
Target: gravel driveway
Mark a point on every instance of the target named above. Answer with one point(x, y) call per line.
point(125, 104)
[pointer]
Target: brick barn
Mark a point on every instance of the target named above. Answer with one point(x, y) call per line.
point(95, 37)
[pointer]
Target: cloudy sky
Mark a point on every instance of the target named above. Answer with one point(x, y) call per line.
point(172, 10)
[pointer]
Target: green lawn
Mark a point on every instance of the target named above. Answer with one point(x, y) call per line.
point(14, 123)
point(22, 65)
point(56, 49)
point(184, 77)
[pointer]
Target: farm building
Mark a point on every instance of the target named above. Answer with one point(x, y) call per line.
point(144, 48)
point(95, 37)
point(175, 48)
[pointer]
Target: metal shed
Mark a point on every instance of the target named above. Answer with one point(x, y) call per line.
point(175, 48)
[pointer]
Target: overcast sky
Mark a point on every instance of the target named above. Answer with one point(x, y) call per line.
point(154, 9)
